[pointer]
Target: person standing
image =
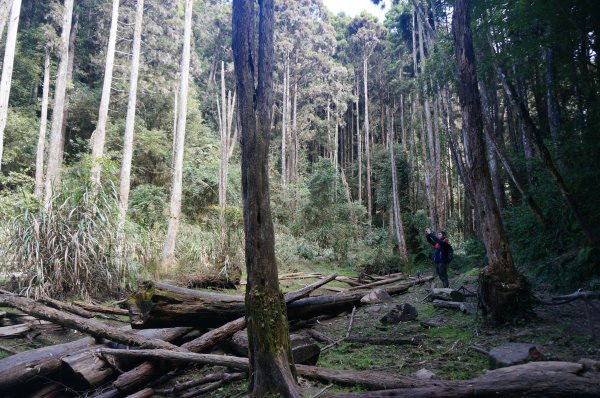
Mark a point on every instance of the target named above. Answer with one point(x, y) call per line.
point(440, 254)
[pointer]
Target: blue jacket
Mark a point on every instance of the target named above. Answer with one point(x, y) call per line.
point(440, 254)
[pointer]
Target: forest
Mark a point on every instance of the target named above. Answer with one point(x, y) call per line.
point(236, 197)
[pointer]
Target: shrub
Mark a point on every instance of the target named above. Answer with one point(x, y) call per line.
point(72, 247)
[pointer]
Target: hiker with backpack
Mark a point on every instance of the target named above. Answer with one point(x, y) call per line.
point(442, 255)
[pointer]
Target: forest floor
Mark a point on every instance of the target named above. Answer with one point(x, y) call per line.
point(560, 332)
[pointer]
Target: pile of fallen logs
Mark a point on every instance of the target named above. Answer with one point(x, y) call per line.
point(172, 327)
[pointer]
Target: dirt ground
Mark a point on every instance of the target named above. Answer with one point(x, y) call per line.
point(451, 350)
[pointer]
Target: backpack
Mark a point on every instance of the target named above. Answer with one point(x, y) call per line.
point(450, 254)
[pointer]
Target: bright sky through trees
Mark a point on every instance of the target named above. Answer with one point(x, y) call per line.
point(354, 7)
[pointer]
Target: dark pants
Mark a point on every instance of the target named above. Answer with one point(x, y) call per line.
point(442, 271)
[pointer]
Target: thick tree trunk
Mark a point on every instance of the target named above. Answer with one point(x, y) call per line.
point(7, 68)
point(176, 185)
point(504, 292)
point(125, 179)
point(271, 362)
point(55, 150)
point(100, 132)
point(39, 158)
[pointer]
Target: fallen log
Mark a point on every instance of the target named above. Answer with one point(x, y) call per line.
point(88, 326)
point(104, 309)
point(22, 367)
point(368, 379)
point(227, 378)
point(182, 386)
point(162, 305)
point(446, 294)
point(68, 307)
point(15, 330)
point(534, 379)
point(378, 283)
point(139, 376)
point(450, 304)
point(320, 337)
point(85, 367)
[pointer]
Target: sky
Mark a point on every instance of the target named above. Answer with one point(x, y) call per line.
point(354, 7)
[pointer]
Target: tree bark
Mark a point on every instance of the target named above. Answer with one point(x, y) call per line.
point(271, 363)
point(55, 150)
point(176, 187)
point(100, 132)
point(39, 158)
point(504, 292)
point(7, 68)
point(125, 179)
point(359, 143)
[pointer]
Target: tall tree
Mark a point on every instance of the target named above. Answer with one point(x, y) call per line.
point(100, 133)
point(55, 152)
point(176, 185)
point(125, 179)
point(504, 291)
point(271, 361)
point(39, 159)
point(7, 68)
point(398, 225)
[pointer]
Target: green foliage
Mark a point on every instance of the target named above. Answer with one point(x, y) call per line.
point(71, 248)
point(147, 205)
point(327, 219)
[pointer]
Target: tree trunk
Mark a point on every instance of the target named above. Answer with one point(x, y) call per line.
point(100, 132)
point(284, 121)
point(359, 142)
point(55, 150)
point(367, 140)
point(271, 362)
point(125, 180)
point(7, 68)
point(5, 7)
point(176, 186)
point(504, 292)
point(398, 226)
point(552, 103)
point(39, 158)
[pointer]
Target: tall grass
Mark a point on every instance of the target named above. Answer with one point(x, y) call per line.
point(71, 248)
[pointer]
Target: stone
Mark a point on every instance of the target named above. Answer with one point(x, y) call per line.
point(424, 374)
point(401, 313)
point(513, 354)
point(377, 296)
